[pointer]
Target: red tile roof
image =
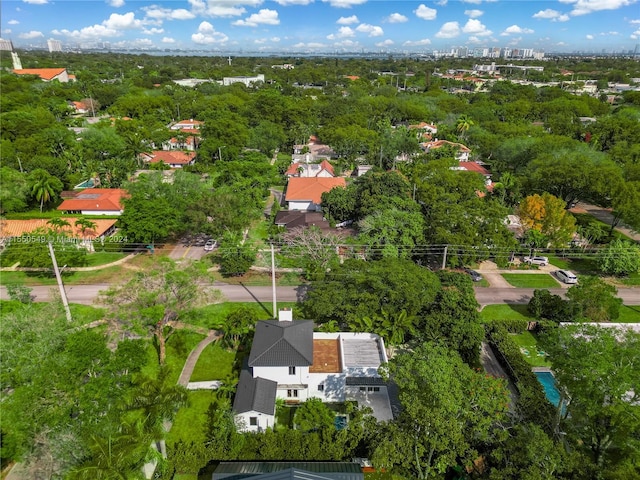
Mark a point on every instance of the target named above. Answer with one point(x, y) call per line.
point(474, 167)
point(95, 199)
point(17, 228)
point(324, 165)
point(441, 143)
point(311, 189)
point(170, 157)
point(43, 73)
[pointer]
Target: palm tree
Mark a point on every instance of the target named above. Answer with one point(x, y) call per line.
point(85, 224)
point(118, 455)
point(44, 186)
point(463, 124)
point(58, 224)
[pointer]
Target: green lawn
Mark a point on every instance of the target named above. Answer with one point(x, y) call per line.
point(632, 280)
point(214, 315)
point(190, 421)
point(105, 275)
point(629, 314)
point(529, 348)
point(505, 312)
point(215, 363)
point(284, 416)
point(530, 280)
point(102, 258)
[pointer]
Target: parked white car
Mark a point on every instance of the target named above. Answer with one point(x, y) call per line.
point(565, 276)
point(542, 261)
point(210, 245)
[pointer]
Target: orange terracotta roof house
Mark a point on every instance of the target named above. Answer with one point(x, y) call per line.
point(17, 228)
point(95, 201)
point(322, 169)
point(474, 167)
point(173, 158)
point(306, 193)
point(462, 154)
point(46, 74)
point(187, 124)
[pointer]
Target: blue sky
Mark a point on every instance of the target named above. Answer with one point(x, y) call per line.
point(326, 25)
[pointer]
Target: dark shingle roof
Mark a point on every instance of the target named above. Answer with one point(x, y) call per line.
point(282, 344)
point(255, 394)
point(289, 470)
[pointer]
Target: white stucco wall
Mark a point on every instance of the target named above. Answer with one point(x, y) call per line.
point(243, 421)
point(101, 212)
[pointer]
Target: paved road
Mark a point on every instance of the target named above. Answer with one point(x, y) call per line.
point(86, 294)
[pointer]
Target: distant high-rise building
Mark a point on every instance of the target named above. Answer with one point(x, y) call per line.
point(54, 45)
point(6, 45)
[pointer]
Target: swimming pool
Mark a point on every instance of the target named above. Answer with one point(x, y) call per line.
point(548, 382)
point(340, 422)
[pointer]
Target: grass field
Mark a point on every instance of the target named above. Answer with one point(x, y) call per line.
point(213, 316)
point(530, 351)
point(215, 363)
point(505, 312)
point(261, 279)
point(629, 314)
point(102, 258)
point(190, 422)
point(530, 280)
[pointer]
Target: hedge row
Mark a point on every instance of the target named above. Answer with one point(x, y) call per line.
point(533, 405)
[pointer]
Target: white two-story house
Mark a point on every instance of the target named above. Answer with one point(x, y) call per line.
point(290, 361)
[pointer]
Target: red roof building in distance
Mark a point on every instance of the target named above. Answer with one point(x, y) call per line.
point(95, 201)
point(190, 124)
point(18, 228)
point(462, 153)
point(46, 74)
point(474, 167)
point(306, 193)
point(173, 158)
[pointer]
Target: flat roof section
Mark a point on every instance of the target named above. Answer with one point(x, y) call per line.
point(326, 356)
point(362, 353)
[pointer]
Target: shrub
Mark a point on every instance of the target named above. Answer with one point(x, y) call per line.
point(533, 405)
point(551, 307)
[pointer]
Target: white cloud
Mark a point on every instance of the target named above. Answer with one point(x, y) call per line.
point(397, 18)
point(347, 20)
point(440, 3)
point(347, 44)
point(94, 32)
point(475, 13)
point(475, 27)
point(158, 13)
point(386, 43)
point(152, 31)
point(343, 32)
point(36, 2)
point(222, 8)
point(7, 31)
point(13, 22)
point(344, 3)
point(115, 3)
point(285, 3)
point(372, 30)
point(475, 2)
point(275, 39)
point(417, 43)
point(309, 45)
point(584, 7)
point(474, 39)
point(449, 30)
point(207, 35)
point(634, 22)
point(168, 40)
point(635, 35)
point(31, 35)
point(122, 22)
point(263, 17)
point(515, 29)
point(425, 13)
point(589, 37)
point(553, 15)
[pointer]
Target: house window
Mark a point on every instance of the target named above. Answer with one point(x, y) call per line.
point(292, 393)
point(321, 388)
point(292, 370)
point(363, 389)
point(253, 421)
point(373, 389)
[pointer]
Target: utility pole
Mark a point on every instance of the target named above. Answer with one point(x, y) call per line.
point(63, 294)
point(444, 257)
point(273, 281)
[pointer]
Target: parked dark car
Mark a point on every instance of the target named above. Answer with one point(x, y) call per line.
point(475, 276)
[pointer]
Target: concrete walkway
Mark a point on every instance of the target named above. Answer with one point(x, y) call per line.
point(16, 268)
point(190, 364)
